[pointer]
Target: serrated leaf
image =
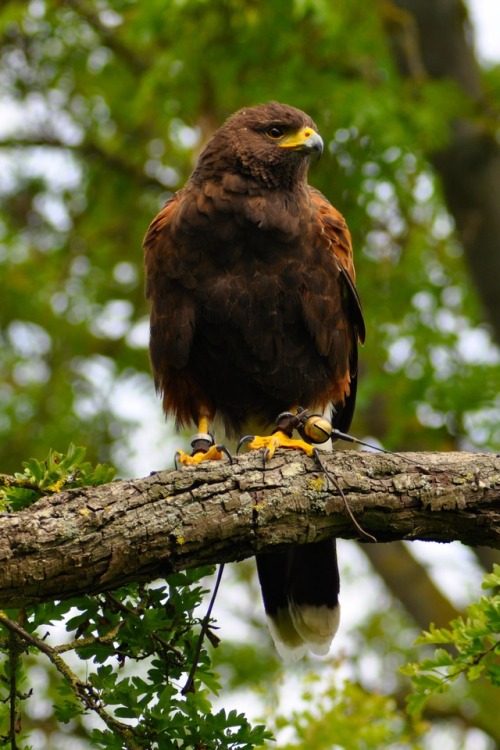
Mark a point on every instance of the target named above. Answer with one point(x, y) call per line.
point(415, 703)
point(34, 470)
point(67, 710)
point(123, 712)
point(493, 673)
point(475, 672)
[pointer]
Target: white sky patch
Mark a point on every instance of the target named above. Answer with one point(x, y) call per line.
point(55, 165)
point(152, 443)
point(485, 17)
point(38, 113)
point(453, 567)
point(476, 347)
point(12, 117)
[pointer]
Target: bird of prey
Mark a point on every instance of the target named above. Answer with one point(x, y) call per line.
point(255, 321)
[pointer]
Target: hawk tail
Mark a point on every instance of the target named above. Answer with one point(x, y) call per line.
point(300, 588)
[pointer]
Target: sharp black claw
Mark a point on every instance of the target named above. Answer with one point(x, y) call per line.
point(246, 439)
point(176, 459)
point(224, 450)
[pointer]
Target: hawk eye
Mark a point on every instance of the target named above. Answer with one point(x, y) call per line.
point(275, 132)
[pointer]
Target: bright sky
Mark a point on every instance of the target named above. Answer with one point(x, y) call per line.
point(485, 15)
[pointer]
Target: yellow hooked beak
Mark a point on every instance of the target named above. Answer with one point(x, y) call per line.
point(305, 139)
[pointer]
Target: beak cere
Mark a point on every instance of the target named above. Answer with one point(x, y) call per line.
point(305, 139)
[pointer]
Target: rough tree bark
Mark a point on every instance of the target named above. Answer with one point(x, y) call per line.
point(94, 539)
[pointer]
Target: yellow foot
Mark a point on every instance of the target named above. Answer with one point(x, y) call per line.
point(276, 440)
point(214, 453)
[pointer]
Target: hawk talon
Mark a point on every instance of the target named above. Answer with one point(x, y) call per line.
point(278, 439)
point(212, 453)
point(245, 439)
point(268, 454)
point(222, 449)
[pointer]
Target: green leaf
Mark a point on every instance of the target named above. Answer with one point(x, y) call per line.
point(476, 641)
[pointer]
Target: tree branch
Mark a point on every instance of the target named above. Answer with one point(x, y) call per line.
point(85, 691)
point(98, 538)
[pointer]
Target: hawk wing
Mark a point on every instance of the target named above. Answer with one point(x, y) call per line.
point(170, 288)
point(334, 316)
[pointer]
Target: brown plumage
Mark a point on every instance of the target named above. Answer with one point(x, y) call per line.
point(254, 309)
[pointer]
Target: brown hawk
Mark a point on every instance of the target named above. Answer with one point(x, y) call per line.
point(255, 313)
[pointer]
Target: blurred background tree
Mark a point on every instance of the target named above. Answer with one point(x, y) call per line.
point(104, 105)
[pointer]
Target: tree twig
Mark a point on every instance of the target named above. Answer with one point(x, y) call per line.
point(189, 686)
point(83, 690)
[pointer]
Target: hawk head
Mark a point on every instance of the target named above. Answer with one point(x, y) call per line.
point(271, 144)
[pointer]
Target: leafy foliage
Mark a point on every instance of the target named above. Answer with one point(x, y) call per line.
point(347, 712)
point(59, 471)
point(106, 106)
point(110, 102)
point(471, 648)
point(136, 646)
